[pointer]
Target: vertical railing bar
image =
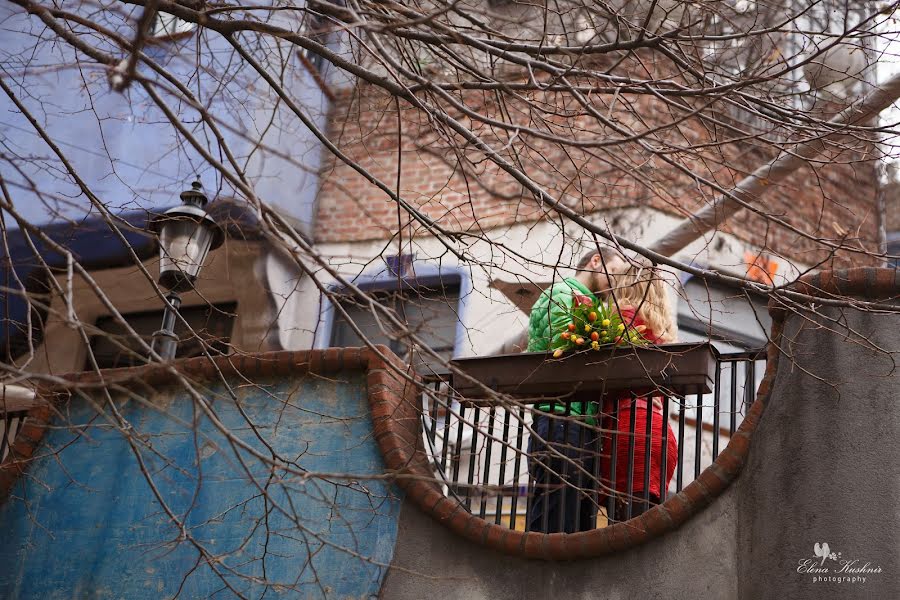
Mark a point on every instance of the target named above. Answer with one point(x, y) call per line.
point(432, 413)
point(679, 470)
point(446, 446)
point(564, 475)
point(457, 450)
point(520, 450)
point(733, 398)
point(489, 444)
point(545, 515)
point(13, 425)
point(473, 458)
point(648, 432)
point(501, 476)
point(716, 398)
point(4, 427)
point(612, 498)
point(597, 449)
point(664, 450)
point(749, 385)
point(629, 473)
point(425, 413)
point(579, 480)
point(15, 428)
point(698, 434)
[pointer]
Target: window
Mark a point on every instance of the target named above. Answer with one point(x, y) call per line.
point(428, 307)
point(315, 28)
point(893, 247)
point(168, 26)
point(782, 61)
point(113, 347)
point(725, 315)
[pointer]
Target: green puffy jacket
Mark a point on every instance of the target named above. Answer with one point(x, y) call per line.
point(549, 318)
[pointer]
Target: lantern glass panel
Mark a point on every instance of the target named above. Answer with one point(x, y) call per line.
point(184, 244)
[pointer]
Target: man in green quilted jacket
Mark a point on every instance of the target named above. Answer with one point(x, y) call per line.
point(549, 315)
point(562, 450)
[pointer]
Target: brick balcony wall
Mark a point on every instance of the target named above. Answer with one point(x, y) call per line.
point(826, 199)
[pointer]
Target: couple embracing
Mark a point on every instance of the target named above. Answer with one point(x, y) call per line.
point(563, 461)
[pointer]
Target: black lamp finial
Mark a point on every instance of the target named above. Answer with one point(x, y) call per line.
point(195, 195)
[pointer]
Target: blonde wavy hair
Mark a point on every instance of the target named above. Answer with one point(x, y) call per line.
point(643, 287)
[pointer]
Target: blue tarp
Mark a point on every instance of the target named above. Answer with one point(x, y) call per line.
point(83, 522)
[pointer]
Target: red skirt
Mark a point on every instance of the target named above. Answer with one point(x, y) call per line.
point(640, 440)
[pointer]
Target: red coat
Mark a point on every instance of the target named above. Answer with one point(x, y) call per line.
point(656, 435)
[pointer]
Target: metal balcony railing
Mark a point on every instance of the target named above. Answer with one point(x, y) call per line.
point(479, 450)
point(10, 423)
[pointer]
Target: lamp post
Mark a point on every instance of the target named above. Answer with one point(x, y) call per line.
point(186, 235)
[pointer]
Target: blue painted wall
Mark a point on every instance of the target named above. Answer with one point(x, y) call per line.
point(83, 522)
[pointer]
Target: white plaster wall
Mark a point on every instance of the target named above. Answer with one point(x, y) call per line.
point(491, 319)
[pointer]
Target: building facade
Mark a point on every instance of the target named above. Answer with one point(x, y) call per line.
point(254, 295)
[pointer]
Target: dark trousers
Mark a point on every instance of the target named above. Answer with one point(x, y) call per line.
point(564, 497)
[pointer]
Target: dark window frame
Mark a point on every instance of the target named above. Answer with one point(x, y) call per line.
point(717, 331)
point(435, 285)
point(146, 322)
point(893, 247)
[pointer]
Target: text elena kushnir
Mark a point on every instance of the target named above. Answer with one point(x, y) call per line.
point(853, 568)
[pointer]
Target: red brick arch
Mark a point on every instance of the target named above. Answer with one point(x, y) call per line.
point(400, 441)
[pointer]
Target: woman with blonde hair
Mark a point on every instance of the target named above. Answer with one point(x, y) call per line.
point(640, 297)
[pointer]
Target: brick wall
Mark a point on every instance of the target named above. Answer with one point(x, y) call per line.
point(892, 208)
point(457, 188)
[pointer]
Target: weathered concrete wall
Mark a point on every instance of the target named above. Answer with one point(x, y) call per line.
point(83, 522)
point(697, 561)
point(824, 466)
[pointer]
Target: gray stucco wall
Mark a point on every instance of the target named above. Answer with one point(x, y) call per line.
point(697, 561)
point(823, 468)
point(825, 464)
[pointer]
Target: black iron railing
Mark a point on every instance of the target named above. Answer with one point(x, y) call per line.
point(488, 455)
point(10, 423)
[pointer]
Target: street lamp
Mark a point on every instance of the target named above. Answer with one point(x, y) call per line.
point(186, 235)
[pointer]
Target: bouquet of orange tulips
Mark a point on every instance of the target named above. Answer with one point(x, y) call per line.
point(594, 325)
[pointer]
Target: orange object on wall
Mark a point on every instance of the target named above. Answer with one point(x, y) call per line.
point(760, 268)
